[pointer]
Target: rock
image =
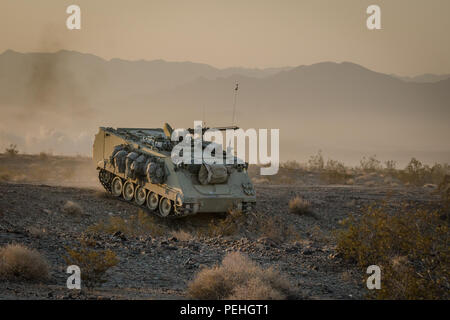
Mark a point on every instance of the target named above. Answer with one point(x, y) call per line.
point(308, 251)
point(291, 249)
point(120, 235)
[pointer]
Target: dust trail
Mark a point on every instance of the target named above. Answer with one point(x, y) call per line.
point(48, 169)
point(47, 102)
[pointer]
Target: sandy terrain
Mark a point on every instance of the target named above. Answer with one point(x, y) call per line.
point(31, 213)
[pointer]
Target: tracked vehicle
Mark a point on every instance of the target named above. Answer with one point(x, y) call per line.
point(135, 165)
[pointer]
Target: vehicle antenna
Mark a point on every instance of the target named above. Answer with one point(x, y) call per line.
point(233, 120)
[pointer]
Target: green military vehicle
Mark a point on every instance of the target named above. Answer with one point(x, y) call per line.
point(136, 165)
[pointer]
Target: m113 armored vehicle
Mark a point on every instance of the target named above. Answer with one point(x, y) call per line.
point(136, 165)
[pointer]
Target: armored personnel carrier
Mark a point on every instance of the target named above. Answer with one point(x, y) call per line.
point(136, 165)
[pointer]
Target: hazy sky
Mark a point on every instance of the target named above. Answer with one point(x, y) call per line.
point(253, 33)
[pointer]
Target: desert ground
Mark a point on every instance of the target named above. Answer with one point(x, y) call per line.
point(34, 190)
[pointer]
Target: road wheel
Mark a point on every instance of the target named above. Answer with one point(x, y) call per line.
point(128, 191)
point(116, 187)
point(140, 195)
point(165, 207)
point(152, 201)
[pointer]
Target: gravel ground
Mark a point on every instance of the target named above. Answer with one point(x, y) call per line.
point(161, 267)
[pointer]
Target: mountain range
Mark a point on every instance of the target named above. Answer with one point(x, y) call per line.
point(55, 101)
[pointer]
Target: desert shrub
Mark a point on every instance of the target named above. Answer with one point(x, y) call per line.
point(370, 164)
point(316, 162)
point(390, 166)
point(439, 172)
point(415, 173)
point(418, 174)
point(335, 172)
point(291, 165)
point(320, 236)
point(21, 263)
point(11, 150)
point(256, 289)
point(93, 263)
point(137, 225)
point(44, 156)
point(232, 224)
point(300, 206)
point(72, 208)
point(182, 235)
point(238, 277)
point(410, 246)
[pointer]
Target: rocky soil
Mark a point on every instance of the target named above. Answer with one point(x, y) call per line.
point(152, 267)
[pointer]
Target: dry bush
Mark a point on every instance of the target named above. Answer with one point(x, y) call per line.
point(390, 167)
point(19, 262)
point(419, 174)
point(93, 263)
point(12, 150)
point(439, 172)
point(256, 289)
point(292, 165)
point(232, 224)
point(300, 206)
point(238, 277)
point(44, 156)
point(415, 173)
point(72, 208)
point(335, 172)
point(320, 236)
point(182, 235)
point(137, 225)
point(411, 247)
point(316, 162)
point(371, 164)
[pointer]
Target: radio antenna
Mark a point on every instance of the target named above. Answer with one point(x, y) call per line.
point(233, 120)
